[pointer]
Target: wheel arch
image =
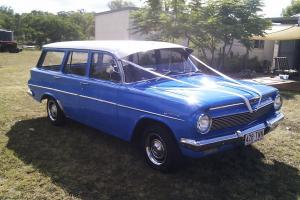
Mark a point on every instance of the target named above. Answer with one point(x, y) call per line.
point(48, 95)
point(142, 123)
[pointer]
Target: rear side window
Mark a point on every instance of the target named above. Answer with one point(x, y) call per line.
point(77, 63)
point(53, 60)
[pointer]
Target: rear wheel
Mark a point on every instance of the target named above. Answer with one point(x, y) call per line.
point(55, 114)
point(160, 148)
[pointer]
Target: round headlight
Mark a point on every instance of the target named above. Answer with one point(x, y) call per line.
point(203, 124)
point(277, 102)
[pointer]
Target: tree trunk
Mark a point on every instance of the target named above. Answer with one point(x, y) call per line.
point(245, 59)
point(212, 50)
point(204, 53)
point(223, 56)
point(212, 56)
point(230, 47)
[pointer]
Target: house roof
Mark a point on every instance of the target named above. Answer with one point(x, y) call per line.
point(120, 48)
point(283, 28)
point(116, 10)
point(281, 32)
point(284, 20)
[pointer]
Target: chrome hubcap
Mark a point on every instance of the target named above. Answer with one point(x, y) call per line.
point(155, 149)
point(52, 110)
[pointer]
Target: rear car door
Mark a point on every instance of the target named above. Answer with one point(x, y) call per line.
point(71, 80)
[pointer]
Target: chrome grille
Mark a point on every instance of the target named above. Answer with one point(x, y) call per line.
point(240, 119)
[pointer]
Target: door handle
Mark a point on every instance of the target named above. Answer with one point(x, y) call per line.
point(57, 77)
point(84, 83)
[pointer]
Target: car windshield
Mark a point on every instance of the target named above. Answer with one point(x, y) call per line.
point(166, 62)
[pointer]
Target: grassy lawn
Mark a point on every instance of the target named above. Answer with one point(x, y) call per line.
point(40, 161)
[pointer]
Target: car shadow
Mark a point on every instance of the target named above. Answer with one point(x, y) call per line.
point(91, 165)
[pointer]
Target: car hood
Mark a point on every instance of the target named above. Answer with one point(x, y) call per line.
point(203, 90)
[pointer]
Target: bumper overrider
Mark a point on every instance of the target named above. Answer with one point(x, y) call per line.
point(237, 137)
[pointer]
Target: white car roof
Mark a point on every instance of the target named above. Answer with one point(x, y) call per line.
point(120, 48)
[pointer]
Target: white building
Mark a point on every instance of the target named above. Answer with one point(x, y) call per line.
point(115, 25)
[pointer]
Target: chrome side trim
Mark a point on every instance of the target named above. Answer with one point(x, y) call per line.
point(201, 145)
point(145, 111)
point(99, 100)
point(108, 102)
point(53, 89)
point(226, 106)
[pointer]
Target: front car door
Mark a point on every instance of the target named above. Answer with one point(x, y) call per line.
point(100, 92)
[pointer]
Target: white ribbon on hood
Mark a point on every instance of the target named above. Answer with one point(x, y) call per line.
point(233, 82)
point(229, 78)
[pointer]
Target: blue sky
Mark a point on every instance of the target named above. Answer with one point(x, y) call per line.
point(272, 8)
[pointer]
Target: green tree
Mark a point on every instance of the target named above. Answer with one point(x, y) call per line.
point(239, 20)
point(6, 18)
point(84, 21)
point(292, 9)
point(162, 20)
point(150, 19)
point(117, 4)
point(204, 28)
point(207, 24)
point(41, 27)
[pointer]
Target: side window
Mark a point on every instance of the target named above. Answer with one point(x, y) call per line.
point(77, 63)
point(104, 67)
point(147, 59)
point(53, 60)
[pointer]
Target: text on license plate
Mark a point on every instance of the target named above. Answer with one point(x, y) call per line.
point(254, 136)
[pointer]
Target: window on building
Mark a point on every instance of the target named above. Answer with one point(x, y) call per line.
point(77, 63)
point(259, 44)
point(53, 60)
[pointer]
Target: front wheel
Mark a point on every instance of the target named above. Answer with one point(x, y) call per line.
point(55, 114)
point(160, 149)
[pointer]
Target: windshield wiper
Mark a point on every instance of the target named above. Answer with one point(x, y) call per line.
point(168, 73)
point(178, 73)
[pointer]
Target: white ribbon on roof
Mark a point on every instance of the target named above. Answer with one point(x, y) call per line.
point(193, 85)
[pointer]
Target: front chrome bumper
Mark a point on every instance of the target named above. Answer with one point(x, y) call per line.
point(29, 92)
point(238, 136)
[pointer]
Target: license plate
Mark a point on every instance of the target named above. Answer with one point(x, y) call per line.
point(254, 137)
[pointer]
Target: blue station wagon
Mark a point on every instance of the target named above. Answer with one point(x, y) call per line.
point(155, 94)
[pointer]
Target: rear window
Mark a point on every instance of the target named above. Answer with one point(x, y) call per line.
point(53, 60)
